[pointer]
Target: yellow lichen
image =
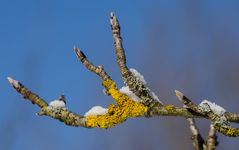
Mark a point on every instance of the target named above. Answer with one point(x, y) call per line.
point(232, 132)
point(170, 107)
point(117, 113)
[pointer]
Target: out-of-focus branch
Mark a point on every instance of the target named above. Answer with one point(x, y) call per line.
point(198, 141)
point(135, 85)
point(212, 138)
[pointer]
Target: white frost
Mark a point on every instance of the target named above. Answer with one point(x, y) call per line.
point(126, 90)
point(57, 104)
point(214, 107)
point(138, 75)
point(96, 110)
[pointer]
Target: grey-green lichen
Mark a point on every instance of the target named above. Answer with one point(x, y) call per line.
point(64, 115)
point(123, 109)
point(139, 89)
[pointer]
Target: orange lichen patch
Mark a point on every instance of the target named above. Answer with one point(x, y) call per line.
point(118, 113)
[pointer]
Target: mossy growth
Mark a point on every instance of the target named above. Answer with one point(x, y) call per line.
point(117, 113)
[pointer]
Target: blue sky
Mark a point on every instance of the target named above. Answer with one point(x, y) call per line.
point(186, 45)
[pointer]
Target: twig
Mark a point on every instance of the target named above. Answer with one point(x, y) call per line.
point(221, 123)
point(188, 103)
point(68, 117)
point(135, 85)
point(198, 141)
point(212, 138)
point(34, 98)
point(97, 70)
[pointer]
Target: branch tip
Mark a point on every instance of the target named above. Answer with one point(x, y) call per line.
point(113, 20)
point(79, 53)
point(112, 14)
point(74, 47)
point(179, 94)
point(13, 82)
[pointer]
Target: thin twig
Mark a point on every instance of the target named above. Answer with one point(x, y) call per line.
point(221, 123)
point(97, 70)
point(196, 136)
point(212, 138)
point(63, 115)
point(135, 85)
point(34, 98)
point(188, 103)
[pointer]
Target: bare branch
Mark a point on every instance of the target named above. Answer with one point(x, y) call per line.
point(97, 70)
point(121, 58)
point(27, 94)
point(188, 103)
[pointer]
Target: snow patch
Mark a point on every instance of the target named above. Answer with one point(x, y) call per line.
point(138, 75)
point(96, 110)
point(57, 104)
point(154, 96)
point(129, 93)
point(214, 107)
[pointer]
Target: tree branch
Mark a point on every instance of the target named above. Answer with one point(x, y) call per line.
point(220, 122)
point(134, 84)
point(212, 138)
point(63, 115)
point(198, 141)
point(97, 70)
point(126, 107)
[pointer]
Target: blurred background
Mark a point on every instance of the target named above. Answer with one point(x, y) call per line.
point(191, 46)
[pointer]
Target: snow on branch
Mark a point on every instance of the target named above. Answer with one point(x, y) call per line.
point(218, 116)
point(96, 110)
point(214, 107)
point(128, 92)
point(139, 76)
